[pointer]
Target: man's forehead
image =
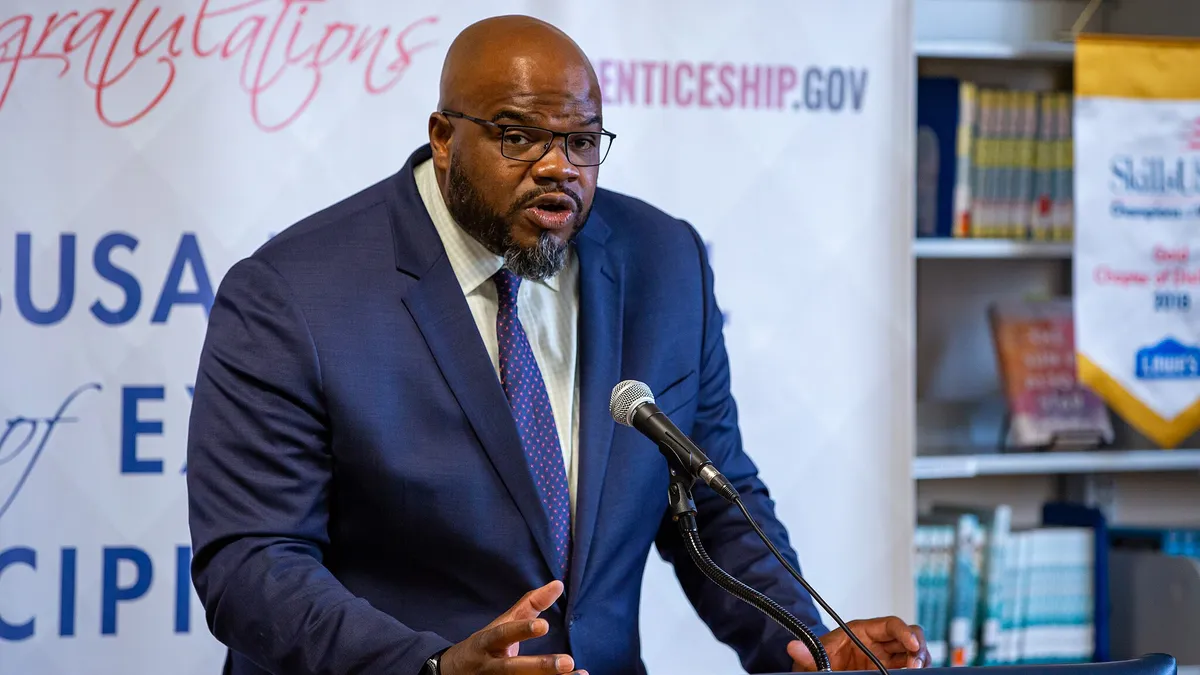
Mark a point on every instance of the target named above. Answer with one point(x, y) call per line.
point(525, 78)
point(538, 112)
point(529, 99)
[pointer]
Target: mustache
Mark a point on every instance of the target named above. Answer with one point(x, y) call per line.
point(527, 198)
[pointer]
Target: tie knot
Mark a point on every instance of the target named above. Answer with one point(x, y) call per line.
point(507, 286)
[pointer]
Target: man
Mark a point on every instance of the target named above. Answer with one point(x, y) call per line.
point(401, 458)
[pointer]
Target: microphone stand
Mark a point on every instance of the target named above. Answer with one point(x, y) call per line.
point(683, 512)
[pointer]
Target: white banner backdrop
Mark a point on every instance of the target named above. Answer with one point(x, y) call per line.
point(148, 146)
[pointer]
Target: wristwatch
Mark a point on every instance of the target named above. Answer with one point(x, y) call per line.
point(433, 664)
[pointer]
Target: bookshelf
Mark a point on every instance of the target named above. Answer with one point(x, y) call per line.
point(1022, 44)
point(1019, 44)
point(990, 249)
point(1052, 52)
point(953, 466)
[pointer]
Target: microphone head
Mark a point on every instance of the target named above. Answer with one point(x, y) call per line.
point(626, 397)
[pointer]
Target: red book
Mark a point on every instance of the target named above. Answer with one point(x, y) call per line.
point(1035, 353)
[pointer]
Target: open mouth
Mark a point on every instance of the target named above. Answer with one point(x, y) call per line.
point(551, 211)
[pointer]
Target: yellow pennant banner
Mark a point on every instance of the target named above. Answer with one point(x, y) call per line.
point(1137, 232)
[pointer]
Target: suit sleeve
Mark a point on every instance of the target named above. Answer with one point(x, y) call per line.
point(733, 545)
point(259, 474)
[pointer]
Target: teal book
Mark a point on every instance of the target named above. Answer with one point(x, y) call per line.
point(995, 526)
point(964, 585)
point(935, 552)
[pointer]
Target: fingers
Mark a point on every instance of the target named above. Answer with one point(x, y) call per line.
point(496, 639)
point(539, 600)
point(802, 659)
point(921, 659)
point(494, 650)
point(900, 645)
point(890, 647)
point(550, 664)
point(884, 651)
point(905, 661)
point(892, 628)
point(852, 659)
point(533, 603)
point(895, 643)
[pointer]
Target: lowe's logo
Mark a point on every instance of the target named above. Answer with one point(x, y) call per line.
point(1168, 359)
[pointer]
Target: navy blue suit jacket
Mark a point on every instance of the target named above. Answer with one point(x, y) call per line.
point(357, 491)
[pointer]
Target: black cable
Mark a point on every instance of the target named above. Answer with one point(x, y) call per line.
point(691, 539)
point(767, 540)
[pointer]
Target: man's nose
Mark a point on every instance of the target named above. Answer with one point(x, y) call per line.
point(554, 166)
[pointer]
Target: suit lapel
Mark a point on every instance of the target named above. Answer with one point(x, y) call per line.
point(440, 312)
point(437, 305)
point(600, 313)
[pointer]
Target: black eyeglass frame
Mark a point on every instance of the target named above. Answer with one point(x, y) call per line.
point(566, 135)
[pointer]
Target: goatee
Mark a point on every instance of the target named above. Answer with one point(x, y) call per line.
point(543, 260)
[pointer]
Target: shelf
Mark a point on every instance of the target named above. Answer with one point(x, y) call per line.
point(995, 51)
point(990, 248)
point(1048, 463)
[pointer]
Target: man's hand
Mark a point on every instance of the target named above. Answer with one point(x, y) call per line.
point(895, 643)
point(493, 649)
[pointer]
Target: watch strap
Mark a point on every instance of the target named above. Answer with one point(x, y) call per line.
point(433, 664)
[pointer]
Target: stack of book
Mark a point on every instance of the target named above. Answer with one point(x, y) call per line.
point(989, 594)
point(993, 163)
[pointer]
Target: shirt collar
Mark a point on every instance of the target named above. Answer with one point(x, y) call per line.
point(473, 263)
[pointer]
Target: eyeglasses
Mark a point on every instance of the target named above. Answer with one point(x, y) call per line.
point(530, 144)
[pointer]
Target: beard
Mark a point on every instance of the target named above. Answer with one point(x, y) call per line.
point(544, 259)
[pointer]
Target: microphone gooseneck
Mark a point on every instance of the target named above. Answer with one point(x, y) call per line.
point(683, 510)
point(824, 605)
point(632, 405)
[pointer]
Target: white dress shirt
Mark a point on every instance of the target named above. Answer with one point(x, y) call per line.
point(548, 311)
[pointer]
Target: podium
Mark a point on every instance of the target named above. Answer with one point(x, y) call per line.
point(1150, 664)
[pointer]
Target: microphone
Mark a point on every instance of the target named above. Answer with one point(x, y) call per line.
point(632, 404)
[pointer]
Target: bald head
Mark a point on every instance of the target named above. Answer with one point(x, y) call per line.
point(515, 55)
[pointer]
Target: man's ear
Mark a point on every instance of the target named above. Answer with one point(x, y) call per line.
point(441, 132)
